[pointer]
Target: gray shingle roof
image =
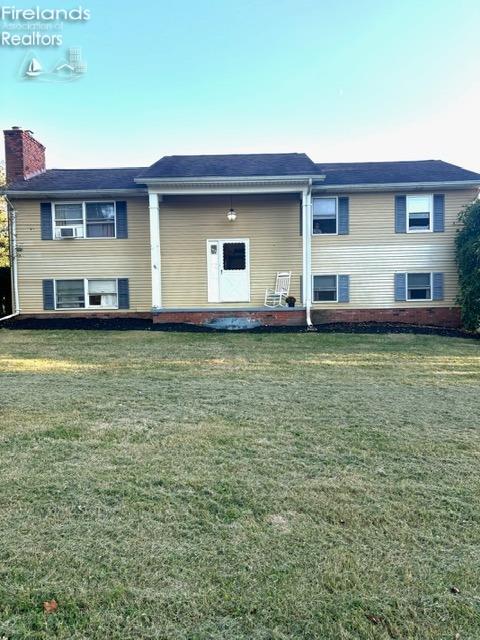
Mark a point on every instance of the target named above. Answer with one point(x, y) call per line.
point(341, 173)
point(79, 180)
point(272, 164)
point(241, 165)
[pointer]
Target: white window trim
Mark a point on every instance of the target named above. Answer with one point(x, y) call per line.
point(87, 307)
point(430, 273)
point(84, 217)
point(336, 216)
point(430, 218)
point(313, 286)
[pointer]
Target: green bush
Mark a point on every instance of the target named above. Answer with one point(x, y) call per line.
point(468, 260)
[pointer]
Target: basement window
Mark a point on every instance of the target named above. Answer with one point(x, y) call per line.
point(419, 286)
point(325, 288)
point(102, 294)
point(70, 294)
point(419, 213)
point(86, 294)
point(324, 215)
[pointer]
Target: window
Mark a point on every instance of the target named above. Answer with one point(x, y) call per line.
point(234, 256)
point(324, 215)
point(85, 220)
point(324, 288)
point(102, 293)
point(86, 294)
point(100, 219)
point(419, 286)
point(69, 215)
point(419, 212)
point(70, 294)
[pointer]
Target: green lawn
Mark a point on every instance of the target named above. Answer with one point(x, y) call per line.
point(267, 486)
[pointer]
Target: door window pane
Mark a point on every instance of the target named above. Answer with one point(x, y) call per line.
point(234, 256)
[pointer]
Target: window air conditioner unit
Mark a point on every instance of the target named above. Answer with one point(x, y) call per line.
point(66, 233)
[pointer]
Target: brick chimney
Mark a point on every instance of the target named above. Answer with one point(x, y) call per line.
point(24, 156)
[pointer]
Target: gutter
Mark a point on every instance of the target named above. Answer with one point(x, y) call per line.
point(12, 232)
point(152, 181)
point(68, 193)
point(307, 251)
point(398, 186)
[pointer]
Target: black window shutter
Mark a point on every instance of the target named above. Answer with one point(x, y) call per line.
point(400, 214)
point(439, 213)
point(122, 219)
point(400, 286)
point(343, 288)
point(437, 286)
point(343, 216)
point(123, 294)
point(48, 295)
point(301, 218)
point(46, 226)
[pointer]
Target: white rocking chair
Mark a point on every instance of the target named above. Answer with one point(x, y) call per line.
point(277, 297)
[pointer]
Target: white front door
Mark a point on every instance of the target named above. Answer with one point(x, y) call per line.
point(228, 270)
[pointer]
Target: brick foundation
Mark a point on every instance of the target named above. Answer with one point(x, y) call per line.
point(95, 315)
point(426, 316)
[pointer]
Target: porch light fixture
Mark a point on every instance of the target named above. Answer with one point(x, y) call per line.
point(231, 214)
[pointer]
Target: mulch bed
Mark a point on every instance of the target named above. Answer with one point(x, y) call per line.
point(138, 324)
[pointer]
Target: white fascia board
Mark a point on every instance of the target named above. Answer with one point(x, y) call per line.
point(234, 186)
point(206, 190)
point(398, 186)
point(67, 193)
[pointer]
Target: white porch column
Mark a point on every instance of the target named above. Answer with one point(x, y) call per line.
point(307, 251)
point(156, 262)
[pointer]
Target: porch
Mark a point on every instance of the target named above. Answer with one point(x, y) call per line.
point(208, 268)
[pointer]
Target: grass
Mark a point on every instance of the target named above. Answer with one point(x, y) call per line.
point(202, 486)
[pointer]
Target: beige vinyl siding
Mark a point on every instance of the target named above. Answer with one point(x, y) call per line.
point(83, 258)
point(372, 252)
point(270, 222)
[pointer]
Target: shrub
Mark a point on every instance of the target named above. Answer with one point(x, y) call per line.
point(467, 244)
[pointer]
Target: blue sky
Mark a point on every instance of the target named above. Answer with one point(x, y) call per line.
point(342, 80)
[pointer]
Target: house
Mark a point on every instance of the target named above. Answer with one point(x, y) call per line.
point(200, 238)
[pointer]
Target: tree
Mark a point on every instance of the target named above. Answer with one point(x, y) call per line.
point(467, 244)
point(4, 245)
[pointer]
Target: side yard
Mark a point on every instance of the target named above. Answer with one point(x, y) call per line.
point(203, 486)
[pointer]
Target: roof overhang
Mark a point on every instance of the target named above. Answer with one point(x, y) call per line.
point(261, 184)
point(396, 186)
point(67, 193)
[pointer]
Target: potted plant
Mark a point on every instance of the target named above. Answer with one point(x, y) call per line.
point(290, 300)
